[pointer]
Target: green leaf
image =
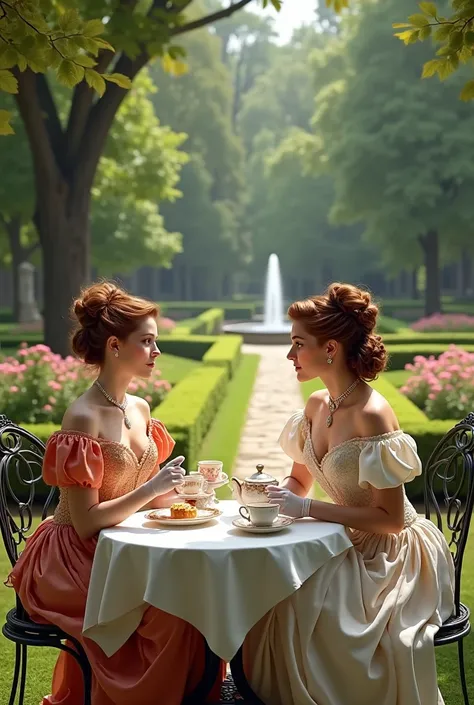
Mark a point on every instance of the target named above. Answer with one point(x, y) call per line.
point(406, 36)
point(8, 82)
point(93, 28)
point(69, 73)
point(85, 60)
point(429, 8)
point(95, 81)
point(456, 40)
point(418, 20)
point(467, 92)
point(8, 57)
point(442, 32)
point(415, 35)
point(119, 79)
point(5, 127)
point(431, 68)
point(469, 37)
point(103, 44)
point(400, 25)
point(69, 21)
point(425, 32)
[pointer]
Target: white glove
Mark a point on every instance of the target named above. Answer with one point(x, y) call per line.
point(290, 504)
point(168, 477)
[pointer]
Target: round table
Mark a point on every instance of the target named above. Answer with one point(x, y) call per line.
point(220, 579)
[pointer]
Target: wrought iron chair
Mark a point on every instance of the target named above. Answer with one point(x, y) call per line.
point(21, 458)
point(449, 488)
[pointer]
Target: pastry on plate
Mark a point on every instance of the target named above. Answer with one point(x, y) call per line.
point(183, 510)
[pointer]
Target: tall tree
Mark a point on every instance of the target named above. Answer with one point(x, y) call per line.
point(397, 147)
point(137, 172)
point(66, 155)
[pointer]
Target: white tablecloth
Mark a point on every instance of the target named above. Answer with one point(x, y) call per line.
point(214, 576)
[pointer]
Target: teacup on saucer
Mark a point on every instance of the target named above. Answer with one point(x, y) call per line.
point(262, 514)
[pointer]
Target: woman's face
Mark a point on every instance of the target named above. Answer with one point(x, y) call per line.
point(138, 352)
point(307, 355)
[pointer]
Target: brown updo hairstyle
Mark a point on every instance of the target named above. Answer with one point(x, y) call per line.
point(348, 315)
point(104, 310)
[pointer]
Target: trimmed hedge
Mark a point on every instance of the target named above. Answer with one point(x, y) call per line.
point(401, 355)
point(226, 352)
point(207, 323)
point(233, 311)
point(190, 408)
point(193, 347)
point(443, 338)
point(386, 324)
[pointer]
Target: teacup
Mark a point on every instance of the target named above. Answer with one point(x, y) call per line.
point(263, 514)
point(211, 470)
point(194, 483)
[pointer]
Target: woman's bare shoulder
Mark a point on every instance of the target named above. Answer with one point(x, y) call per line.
point(81, 416)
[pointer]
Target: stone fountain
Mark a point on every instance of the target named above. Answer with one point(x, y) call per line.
point(274, 330)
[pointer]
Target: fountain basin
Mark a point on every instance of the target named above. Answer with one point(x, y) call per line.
point(260, 333)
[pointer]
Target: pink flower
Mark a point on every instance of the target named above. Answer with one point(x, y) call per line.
point(47, 407)
point(13, 389)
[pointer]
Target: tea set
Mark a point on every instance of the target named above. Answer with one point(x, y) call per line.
point(258, 514)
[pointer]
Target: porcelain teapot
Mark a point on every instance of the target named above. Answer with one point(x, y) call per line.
point(252, 489)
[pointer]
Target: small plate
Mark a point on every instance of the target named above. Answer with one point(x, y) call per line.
point(279, 524)
point(223, 480)
point(162, 516)
point(201, 495)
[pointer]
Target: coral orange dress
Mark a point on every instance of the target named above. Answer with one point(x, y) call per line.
point(164, 659)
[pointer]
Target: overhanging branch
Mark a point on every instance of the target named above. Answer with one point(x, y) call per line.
point(210, 19)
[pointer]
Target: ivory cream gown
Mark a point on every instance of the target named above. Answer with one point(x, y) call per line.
point(360, 630)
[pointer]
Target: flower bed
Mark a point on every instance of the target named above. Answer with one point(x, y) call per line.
point(442, 387)
point(440, 322)
point(37, 386)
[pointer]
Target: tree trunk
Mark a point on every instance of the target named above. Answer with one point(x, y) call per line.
point(415, 294)
point(430, 245)
point(13, 228)
point(63, 227)
point(466, 274)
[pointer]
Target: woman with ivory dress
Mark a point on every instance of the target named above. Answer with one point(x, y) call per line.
point(360, 630)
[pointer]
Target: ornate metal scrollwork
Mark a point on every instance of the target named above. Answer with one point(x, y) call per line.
point(449, 489)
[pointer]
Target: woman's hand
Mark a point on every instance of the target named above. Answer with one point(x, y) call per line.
point(290, 504)
point(169, 476)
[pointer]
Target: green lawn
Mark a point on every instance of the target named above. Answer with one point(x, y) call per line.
point(175, 368)
point(222, 441)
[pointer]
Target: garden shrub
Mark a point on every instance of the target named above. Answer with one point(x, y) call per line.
point(226, 352)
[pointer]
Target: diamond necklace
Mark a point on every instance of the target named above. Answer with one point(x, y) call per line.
point(334, 404)
point(116, 403)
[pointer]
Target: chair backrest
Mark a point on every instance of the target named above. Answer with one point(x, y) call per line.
point(449, 490)
point(21, 460)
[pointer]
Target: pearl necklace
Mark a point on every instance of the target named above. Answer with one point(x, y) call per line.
point(116, 403)
point(334, 404)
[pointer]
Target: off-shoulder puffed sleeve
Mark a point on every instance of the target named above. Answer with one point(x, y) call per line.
point(163, 440)
point(73, 459)
point(389, 462)
point(292, 437)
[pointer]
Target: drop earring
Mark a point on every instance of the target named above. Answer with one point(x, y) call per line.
point(329, 360)
point(116, 353)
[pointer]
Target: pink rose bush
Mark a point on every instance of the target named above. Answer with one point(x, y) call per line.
point(443, 388)
point(36, 385)
point(439, 322)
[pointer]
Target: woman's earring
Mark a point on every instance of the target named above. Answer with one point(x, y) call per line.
point(116, 353)
point(329, 360)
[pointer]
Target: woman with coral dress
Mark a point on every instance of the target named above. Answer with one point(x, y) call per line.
point(106, 462)
point(360, 630)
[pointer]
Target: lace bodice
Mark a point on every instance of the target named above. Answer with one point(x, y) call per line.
point(77, 459)
point(350, 471)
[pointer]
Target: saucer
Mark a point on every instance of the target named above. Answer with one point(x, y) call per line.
point(223, 480)
point(279, 524)
point(199, 495)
